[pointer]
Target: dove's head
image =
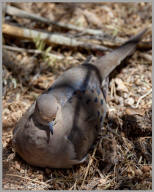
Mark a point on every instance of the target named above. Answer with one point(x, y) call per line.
point(46, 109)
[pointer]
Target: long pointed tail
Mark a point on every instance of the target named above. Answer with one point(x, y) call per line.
point(109, 62)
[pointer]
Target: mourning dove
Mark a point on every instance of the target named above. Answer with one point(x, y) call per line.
point(60, 127)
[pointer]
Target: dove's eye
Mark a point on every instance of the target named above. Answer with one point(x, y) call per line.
point(47, 118)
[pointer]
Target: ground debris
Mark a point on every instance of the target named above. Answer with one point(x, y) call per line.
point(121, 158)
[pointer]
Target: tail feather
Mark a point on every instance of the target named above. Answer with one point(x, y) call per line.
point(109, 62)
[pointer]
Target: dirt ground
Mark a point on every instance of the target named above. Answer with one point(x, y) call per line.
point(122, 155)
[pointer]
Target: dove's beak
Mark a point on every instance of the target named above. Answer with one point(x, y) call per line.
point(51, 124)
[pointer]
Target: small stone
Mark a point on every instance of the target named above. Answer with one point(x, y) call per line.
point(19, 57)
point(7, 140)
point(120, 85)
point(40, 177)
point(121, 101)
point(22, 171)
point(17, 165)
point(125, 95)
point(11, 168)
point(4, 144)
point(138, 172)
point(129, 101)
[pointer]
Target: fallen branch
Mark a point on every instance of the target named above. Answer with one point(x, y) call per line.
point(114, 42)
point(108, 40)
point(49, 38)
point(53, 56)
point(23, 14)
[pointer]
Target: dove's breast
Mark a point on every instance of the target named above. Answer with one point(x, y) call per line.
point(83, 108)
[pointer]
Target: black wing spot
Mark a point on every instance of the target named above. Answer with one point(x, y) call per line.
point(98, 113)
point(70, 100)
point(79, 97)
point(96, 100)
point(92, 90)
point(101, 101)
point(88, 101)
point(101, 118)
point(98, 91)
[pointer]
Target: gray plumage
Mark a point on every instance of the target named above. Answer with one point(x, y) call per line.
point(74, 108)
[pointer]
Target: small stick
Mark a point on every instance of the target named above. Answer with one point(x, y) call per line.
point(41, 183)
point(18, 49)
point(23, 14)
point(50, 38)
point(74, 186)
point(89, 164)
point(143, 96)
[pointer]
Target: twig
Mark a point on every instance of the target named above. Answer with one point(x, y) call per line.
point(112, 131)
point(41, 183)
point(89, 164)
point(145, 45)
point(20, 13)
point(114, 42)
point(50, 38)
point(143, 96)
point(18, 49)
point(148, 57)
point(74, 186)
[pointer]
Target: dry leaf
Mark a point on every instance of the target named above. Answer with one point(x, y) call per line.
point(92, 18)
